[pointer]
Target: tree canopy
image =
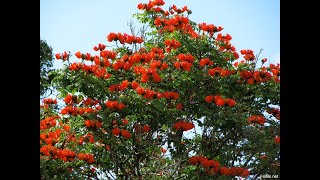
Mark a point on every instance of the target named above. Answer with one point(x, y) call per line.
point(174, 100)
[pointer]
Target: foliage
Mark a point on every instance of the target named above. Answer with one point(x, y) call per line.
point(46, 63)
point(175, 103)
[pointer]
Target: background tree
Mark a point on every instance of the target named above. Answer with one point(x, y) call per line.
point(46, 63)
point(173, 101)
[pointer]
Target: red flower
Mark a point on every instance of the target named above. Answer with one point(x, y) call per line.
point(146, 128)
point(230, 102)
point(219, 101)
point(58, 56)
point(81, 156)
point(193, 160)
point(124, 122)
point(116, 131)
point(111, 37)
point(163, 150)
point(259, 119)
point(125, 133)
point(245, 173)
point(134, 85)
point(179, 106)
point(98, 124)
point(263, 156)
point(277, 140)
point(108, 147)
point(89, 123)
point(205, 163)
point(209, 99)
point(224, 170)
point(66, 128)
point(78, 54)
point(157, 21)
point(177, 125)
point(68, 99)
point(186, 126)
point(121, 106)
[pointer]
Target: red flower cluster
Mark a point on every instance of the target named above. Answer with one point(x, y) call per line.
point(275, 69)
point(90, 102)
point(239, 171)
point(259, 119)
point(100, 47)
point(219, 101)
point(179, 106)
point(52, 137)
point(49, 101)
point(180, 23)
point(147, 73)
point(69, 99)
point(184, 126)
point(205, 61)
point(63, 154)
point(171, 95)
point(93, 123)
point(115, 105)
point(158, 64)
point(174, 8)
point(185, 62)
point(119, 87)
point(210, 28)
point(248, 54)
point(71, 110)
point(255, 77)
point(277, 140)
point(64, 56)
point(48, 122)
point(171, 43)
point(124, 133)
point(211, 166)
point(124, 38)
point(219, 71)
point(90, 69)
point(150, 5)
point(86, 157)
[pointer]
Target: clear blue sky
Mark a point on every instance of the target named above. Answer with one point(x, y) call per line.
point(79, 25)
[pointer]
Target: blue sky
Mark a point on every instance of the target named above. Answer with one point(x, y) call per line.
point(79, 25)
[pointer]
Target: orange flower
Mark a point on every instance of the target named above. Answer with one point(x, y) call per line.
point(66, 128)
point(78, 54)
point(68, 99)
point(81, 156)
point(88, 123)
point(58, 56)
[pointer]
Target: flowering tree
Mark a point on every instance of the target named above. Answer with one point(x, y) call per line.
point(174, 101)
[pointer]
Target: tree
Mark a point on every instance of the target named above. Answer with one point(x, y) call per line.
point(175, 103)
point(46, 63)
